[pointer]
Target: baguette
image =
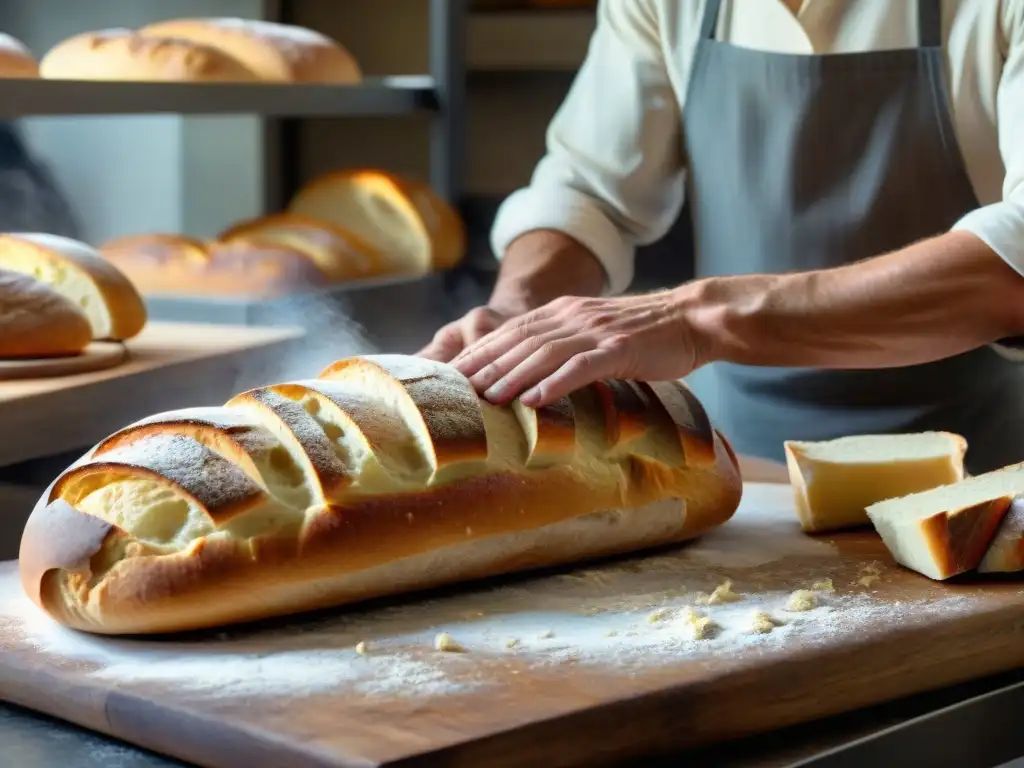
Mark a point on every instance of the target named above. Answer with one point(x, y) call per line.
point(279, 53)
point(340, 255)
point(386, 474)
point(411, 226)
point(161, 264)
point(111, 303)
point(37, 322)
point(122, 54)
point(834, 481)
point(947, 531)
point(16, 60)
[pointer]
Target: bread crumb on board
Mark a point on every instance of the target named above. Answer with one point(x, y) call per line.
point(869, 574)
point(362, 648)
point(825, 585)
point(658, 615)
point(723, 593)
point(701, 627)
point(762, 623)
point(802, 600)
point(446, 643)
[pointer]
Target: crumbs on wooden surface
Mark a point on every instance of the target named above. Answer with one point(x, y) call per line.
point(446, 643)
point(361, 648)
point(825, 585)
point(802, 600)
point(762, 623)
point(512, 642)
point(869, 574)
point(658, 615)
point(700, 627)
point(723, 593)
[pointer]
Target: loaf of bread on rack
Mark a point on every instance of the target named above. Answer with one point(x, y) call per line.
point(123, 54)
point(274, 52)
point(16, 60)
point(386, 474)
point(108, 299)
point(338, 254)
point(414, 229)
point(37, 322)
point(164, 264)
point(834, 481)
point(947, 531)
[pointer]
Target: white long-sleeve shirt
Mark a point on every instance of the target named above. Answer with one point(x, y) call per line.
point(613, 174)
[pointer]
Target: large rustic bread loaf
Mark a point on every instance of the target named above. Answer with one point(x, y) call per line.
point(275, 52)
point(123, 54)
point(386, 474)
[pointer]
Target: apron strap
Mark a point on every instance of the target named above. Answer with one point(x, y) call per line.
point(929, 23)
point(710, 21)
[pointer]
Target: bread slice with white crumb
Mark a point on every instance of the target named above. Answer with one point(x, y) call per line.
point(947, 531)
point(834, 481)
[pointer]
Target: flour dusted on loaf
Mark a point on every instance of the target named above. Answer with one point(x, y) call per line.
point(274, 52)
point(384, 475)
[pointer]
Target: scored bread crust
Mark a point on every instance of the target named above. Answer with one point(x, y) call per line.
point(162, 264)
point(37, 322)
point(385, 474)
point(125, 55)
point(16, 60)
point(282, 53)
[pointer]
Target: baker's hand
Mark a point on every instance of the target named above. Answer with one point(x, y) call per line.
point(571, 342)
point(455, 337)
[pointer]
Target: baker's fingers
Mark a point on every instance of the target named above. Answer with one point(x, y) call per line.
point(495, 344)
point(445, 345)
point(534, 363)
point(579, 371)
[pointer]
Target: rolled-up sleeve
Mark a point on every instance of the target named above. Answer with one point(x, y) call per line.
point(1001, 224)
point(612, 176)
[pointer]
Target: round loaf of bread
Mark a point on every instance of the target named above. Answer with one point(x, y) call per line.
point(162, 264)
point(386, 474)
point(412, 227)
point(16, 60)
point(122, 54)
point(79, 273)
point(340, 255)
point(38, 322)
point(277, 53)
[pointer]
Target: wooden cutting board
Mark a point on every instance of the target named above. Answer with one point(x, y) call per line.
point(169, 365)
point(96, 357)
point(561, 669)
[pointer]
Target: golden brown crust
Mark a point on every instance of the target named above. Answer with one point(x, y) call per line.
point(37, 322)
point(338, 254)
point(122, 54)
point(162, 264)
point(16, 60)
point(275, 52)
point(401, 497)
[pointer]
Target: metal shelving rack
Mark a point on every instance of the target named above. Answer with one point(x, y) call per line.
point(439, 93)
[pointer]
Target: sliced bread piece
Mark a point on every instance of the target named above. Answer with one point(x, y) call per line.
point(835, 480)
point(1006, 552)
point(947, 531)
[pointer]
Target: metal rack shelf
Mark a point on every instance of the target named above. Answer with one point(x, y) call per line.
point(379, 96)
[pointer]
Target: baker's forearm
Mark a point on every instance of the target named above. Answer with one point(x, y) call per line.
point(541, 266)
point(934, 299)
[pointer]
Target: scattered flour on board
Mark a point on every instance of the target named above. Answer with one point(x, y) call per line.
point(619, 617)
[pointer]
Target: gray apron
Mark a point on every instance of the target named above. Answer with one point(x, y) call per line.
point(807, 162)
